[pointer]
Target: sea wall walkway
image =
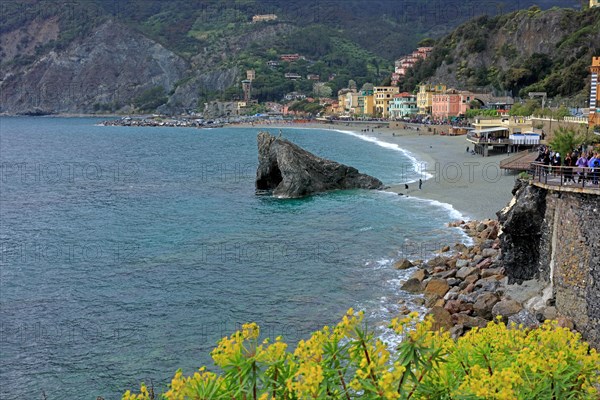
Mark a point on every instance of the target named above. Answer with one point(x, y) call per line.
point(566, 179)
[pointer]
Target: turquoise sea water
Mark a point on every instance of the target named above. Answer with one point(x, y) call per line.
point(128, 252)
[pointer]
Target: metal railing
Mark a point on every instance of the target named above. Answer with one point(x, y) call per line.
point(584, 177)
point(489, 140)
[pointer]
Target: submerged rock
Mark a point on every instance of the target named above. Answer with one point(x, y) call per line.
point(287, 170)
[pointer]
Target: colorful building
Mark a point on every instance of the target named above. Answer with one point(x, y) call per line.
point(403, 64)
point(348, 102)
point(366, 102)
point(594, 117)
point(451, 103)
point(425, 97)
point(383, 96)
point(290, 57)
point(403, 105)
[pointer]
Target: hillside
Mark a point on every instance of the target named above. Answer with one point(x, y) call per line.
point(525, 51)
point(143, 55)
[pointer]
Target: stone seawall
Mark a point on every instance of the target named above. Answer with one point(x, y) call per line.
point(554, 236)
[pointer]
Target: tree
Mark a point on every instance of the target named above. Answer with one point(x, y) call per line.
point(427, 42)
point(524, 110)
point(322, 90)
point(562, 112)
point(565, 140)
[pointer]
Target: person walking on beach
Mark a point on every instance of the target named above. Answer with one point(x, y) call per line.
point(420, 183)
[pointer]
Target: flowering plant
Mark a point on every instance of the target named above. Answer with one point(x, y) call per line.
point(348, 362)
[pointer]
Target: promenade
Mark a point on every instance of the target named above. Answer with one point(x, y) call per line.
point(566, 179)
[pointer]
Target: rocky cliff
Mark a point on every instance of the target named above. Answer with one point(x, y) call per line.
point(289, 171)
point(554, 236)
point(527, 50)
point(108, 68)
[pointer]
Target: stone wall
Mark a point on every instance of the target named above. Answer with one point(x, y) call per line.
point(568, 250)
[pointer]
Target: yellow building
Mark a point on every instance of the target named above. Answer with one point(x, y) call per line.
point(594, 118)
point(594, 3)
point(347, 101)
point(366, 102)
point(383, 96)
point(425, 96)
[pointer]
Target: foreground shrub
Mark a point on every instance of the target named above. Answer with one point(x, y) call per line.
point(348, 362)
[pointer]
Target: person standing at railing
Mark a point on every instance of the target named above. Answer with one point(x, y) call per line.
point(582, 163)
point(594, 164)
point(568, 163)
point(556, 162)
point(546, 160)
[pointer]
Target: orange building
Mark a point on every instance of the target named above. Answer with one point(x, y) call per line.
point(450, 103)
point(594, 118)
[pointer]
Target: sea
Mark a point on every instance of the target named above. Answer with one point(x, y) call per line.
point(127, 253)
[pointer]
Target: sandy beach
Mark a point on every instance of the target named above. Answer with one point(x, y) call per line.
point(473, 185)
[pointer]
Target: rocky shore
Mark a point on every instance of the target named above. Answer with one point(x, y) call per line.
point(466, 286)
point(159, 122)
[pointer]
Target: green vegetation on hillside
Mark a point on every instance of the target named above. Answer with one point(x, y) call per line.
point(562, 72)
point(354, 39)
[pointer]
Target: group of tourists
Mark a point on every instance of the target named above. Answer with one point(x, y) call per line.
point(583, 165)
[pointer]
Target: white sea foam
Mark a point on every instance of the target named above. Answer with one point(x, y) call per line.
point(420, 167)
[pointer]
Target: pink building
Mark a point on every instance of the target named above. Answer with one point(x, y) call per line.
point(403, 64)
point(451, 103)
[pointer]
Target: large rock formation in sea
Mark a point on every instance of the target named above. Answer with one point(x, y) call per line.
point(287, 170)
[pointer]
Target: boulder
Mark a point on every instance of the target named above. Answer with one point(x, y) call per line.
point(484, 304)
point(485, 253)
point(412, 285)
point(462, 263)
point(466, 271)
point(550, 313)
point(451, 295)
point(524, 318)
point(457, 331)
point(461, 248)
point(438, 261)
point(445, 249)
point(441, 318)
point(452, 306)
point(485, 263)
point(420, 301)
point(453, 281)
point(403, 264)
point(445, 274)
point(468, 321)
point(565, 322)
point(486, 273)
point(419, 274)
point(437, 287)
point(287, 170)
point(505, 308)
point(469, 288)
